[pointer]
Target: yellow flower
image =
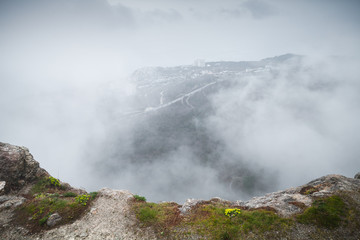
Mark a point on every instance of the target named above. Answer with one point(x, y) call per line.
point(231, 212)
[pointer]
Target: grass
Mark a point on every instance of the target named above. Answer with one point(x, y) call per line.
point(209, 221)
point(46, 198)
point(328, 212)
point(214, 220)
point(70, 194)
point(93, 195)
point(139, 198)
point(161, 217)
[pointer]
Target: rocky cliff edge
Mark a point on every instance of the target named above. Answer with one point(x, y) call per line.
point(34, 205)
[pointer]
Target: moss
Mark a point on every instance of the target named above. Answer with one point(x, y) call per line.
point(328, 212)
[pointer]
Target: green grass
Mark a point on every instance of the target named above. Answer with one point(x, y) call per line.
point(47, 197)
point(93, 195)
point(149, 213)
point(328, 212)
point(82, 199)
point(161, 217)
point(208, 221)
point(70, 194)
point(139, 198)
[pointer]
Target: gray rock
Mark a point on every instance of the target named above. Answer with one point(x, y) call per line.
point(189, 204)
point(18, 167)
point(53, 219)
point(357, 176)
point(2, 187)
point(291, 201)
point(8, 201)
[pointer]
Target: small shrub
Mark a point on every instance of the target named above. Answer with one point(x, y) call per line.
point(54, 181)
point(140, 198)
point(93, 195)
point(70, 194)
point(82, 199)
point(44, 219)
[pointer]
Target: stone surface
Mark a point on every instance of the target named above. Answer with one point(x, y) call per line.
point(2, 187)
point(357, 176)
point(109, 218)
point(18, 167)
point(53, 219)
point(292, 200)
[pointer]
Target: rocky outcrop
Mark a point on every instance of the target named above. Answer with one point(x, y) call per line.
point(2, 187)
point(294, 200)
point(18, 167)
point(53, 219)
point(108, 218)
point(357, 176)
point(110, 214)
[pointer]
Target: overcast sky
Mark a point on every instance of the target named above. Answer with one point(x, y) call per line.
point(57, 56)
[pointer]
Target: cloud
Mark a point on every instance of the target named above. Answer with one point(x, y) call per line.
point(255, 8)
point(259, 9)
point(301, 122)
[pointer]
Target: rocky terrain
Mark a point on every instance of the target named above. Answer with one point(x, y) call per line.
point(325, 208)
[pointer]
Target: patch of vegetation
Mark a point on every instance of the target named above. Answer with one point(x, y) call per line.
point(162, 217)
point(93, 195)
point(210, 221)
point(47, 198)
point(308, 190)
point(54, 181)
point(328, 212)
point(70, 194)
point(82, 199)
point(44, 219)
point(139, 198)
point(217, 222)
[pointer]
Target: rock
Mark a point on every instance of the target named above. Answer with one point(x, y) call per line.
point(53, 219)
point(293, 200)
point(7, 201)
point(18, 167)
point(188, 205)
point(2, 187)
point(357, 176)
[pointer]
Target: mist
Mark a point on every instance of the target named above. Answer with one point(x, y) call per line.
point(68, 91)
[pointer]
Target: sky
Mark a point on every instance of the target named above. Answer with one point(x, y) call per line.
point(59, 57)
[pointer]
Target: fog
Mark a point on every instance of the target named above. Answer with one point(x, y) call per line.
point(65, 83)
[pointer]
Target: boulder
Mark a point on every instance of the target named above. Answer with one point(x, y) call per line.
point(18, 167)
point(53, 219)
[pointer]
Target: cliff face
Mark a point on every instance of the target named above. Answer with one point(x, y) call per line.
point(34, 206)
